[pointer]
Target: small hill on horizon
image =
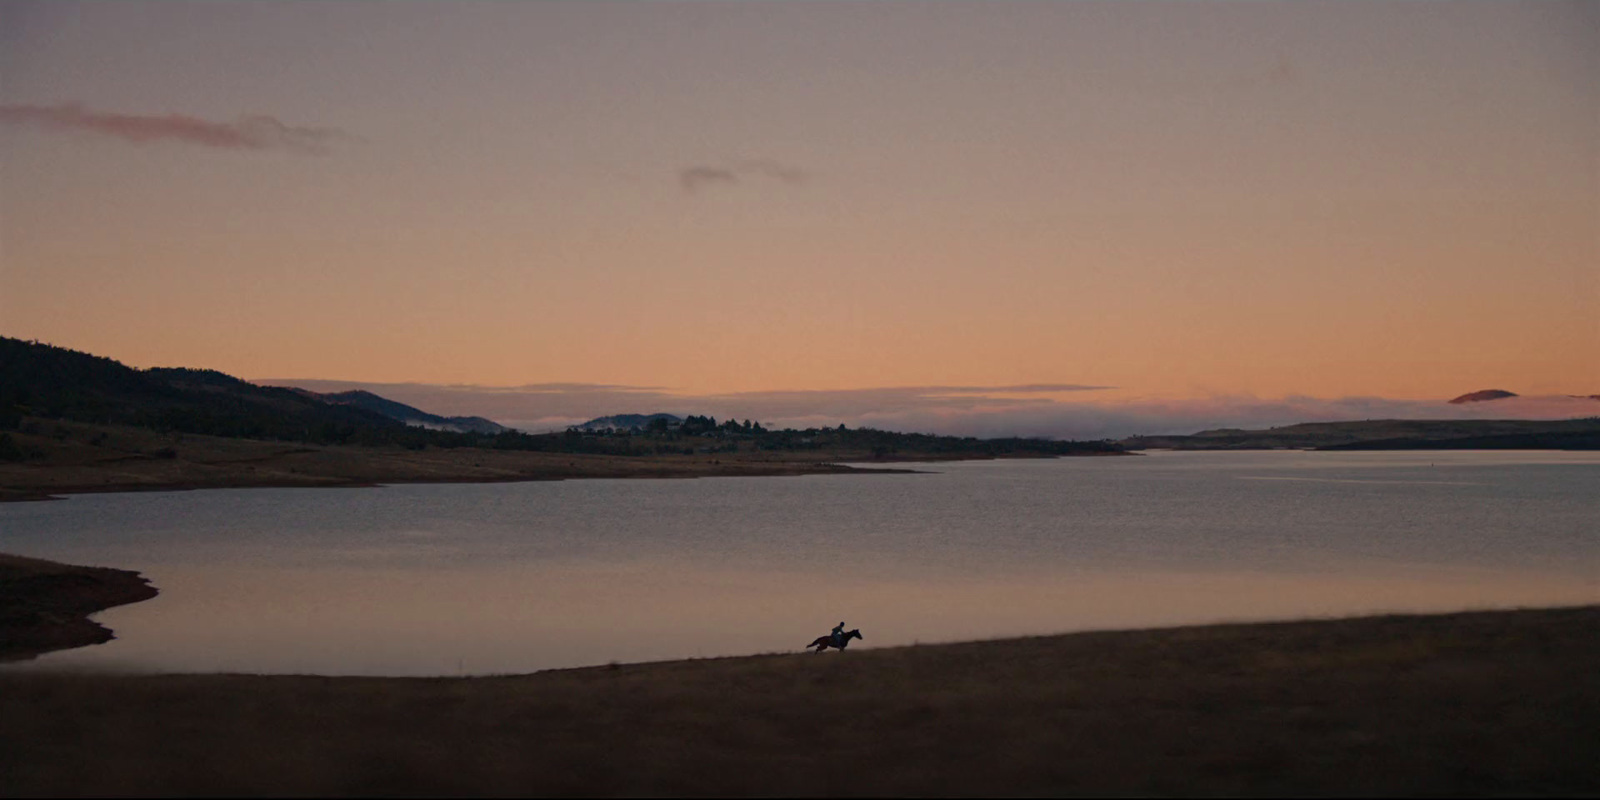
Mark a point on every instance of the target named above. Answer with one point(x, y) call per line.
point(1483, 395)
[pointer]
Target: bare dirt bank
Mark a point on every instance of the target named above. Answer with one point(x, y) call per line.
point(1471, 703)
point(45, 606)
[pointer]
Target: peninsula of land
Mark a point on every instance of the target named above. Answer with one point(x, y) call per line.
point(45, 606)
point(75, 422)
point(1392, 434)
point(74, 457)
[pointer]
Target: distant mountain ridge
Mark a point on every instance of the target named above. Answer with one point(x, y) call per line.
point(42, 380)
point(410, 415)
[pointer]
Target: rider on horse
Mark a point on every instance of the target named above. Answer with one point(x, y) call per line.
point(838, 635)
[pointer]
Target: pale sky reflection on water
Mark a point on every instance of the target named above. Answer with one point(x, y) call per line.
point(515, 620)
point(443, 580)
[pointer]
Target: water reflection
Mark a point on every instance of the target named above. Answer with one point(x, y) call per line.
point(517, 619)
point(441, 580)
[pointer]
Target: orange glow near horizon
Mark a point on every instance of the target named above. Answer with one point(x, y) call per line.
point(1182, 200)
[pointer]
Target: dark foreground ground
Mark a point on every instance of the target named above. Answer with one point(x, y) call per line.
point(1473, 703)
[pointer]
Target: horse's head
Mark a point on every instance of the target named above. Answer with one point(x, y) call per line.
point(855, 634)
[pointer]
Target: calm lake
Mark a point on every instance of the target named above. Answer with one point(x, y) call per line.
point(504, 578)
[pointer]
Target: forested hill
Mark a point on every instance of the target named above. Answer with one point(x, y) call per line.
point(41, 380)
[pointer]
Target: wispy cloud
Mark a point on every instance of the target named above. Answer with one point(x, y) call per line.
point(249, 132)
point(696, 177)
point(693, 178)
point(1025, 388)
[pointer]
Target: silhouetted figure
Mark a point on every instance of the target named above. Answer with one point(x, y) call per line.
point(838, 640)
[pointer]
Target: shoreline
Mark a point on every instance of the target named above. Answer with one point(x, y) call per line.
point(1486, 702)
point(332, 467)
point(15, 494)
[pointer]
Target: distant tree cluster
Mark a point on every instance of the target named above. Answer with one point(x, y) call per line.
point(707, 426)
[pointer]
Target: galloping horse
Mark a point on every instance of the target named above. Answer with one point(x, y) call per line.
point(824, 642)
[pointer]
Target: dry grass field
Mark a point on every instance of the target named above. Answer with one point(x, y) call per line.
point(1487, 703)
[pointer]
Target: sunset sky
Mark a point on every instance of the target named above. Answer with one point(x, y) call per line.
point(1174, 200)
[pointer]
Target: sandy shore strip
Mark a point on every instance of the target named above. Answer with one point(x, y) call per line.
point(1503, 702)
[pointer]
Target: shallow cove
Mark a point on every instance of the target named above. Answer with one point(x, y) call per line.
point(497, 578)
